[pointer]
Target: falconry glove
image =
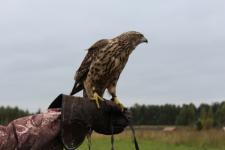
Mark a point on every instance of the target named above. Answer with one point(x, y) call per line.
point(80, 116)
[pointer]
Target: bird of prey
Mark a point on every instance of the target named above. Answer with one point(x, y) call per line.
point(103, 64)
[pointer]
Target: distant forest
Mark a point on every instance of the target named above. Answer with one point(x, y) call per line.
point(8, 114)
point(205, 116)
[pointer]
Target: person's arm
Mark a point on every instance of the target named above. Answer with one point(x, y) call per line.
point(69, 120)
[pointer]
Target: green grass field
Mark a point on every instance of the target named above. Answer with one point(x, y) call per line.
point(159, 140)
point(104, 144)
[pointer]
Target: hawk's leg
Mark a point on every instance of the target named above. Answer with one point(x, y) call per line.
point(112, 91)
point(96, 97)
point(85, 93)
point(117, 102)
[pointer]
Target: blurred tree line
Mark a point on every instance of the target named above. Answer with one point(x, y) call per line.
point(204, 116)
point(8, 114)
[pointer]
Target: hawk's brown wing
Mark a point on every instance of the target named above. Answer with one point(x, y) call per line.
point(85, 65)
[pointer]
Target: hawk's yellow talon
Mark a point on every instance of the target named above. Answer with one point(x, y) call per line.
point(97, 98)
point(117, 102)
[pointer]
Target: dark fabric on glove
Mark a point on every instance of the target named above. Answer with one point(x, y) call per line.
point(79, 115)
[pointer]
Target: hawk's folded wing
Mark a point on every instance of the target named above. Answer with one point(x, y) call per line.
point(82, 72)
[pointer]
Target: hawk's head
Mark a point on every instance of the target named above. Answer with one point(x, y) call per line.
point(133, 37)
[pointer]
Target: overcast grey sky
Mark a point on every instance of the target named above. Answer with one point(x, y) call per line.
point(42, 43)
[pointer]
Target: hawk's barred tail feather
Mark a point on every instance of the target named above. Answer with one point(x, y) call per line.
point(76, 88)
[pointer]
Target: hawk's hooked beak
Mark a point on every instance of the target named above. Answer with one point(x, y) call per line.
point(144, 40)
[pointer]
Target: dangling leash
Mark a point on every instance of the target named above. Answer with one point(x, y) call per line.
point(112, 132)
point(132, 130)
point(89, 138)
point(134, 137)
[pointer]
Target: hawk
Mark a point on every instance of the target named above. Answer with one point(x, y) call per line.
point(103, 64)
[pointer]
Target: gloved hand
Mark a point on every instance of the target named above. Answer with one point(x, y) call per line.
point(80, 115)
